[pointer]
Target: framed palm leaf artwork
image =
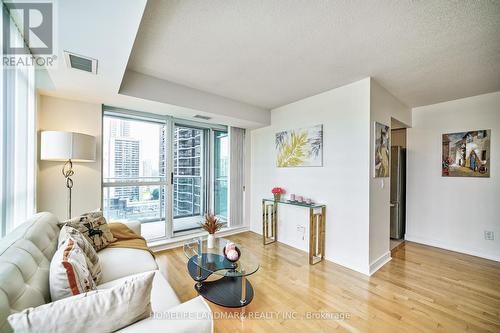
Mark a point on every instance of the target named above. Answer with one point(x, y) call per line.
point(302, 147)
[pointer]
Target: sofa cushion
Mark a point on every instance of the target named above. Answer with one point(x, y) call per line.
point(91, 256)
point(119, 262)
point(96, 311)
point(163, 297)
point(94, 227)
point(69, 274)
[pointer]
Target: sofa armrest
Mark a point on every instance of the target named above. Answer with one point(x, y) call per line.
point(135, 226)
point(192, 316)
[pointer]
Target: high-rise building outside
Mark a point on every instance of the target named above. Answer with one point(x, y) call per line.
point(163, 165)
point(126, 165)
point(187, 171)
point(119, 128)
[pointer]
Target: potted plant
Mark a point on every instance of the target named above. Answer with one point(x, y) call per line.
point(277, 192)
point(212, 225)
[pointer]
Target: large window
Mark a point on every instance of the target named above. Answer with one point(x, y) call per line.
point(134, 173)
point(17, 137)
point(165, 173)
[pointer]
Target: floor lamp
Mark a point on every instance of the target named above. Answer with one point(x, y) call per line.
point(67, 147)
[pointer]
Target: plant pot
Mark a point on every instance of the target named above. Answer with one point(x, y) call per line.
point(210, 241)
point(211, 258)
point(277, 196)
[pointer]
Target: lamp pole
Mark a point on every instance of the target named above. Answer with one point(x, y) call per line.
point(67, 146)
point(68, 172)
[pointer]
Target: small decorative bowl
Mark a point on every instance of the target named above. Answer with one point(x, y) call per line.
point(225, 256)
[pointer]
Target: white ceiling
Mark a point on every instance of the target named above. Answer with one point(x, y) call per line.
point(92, 28)
point(270, 53)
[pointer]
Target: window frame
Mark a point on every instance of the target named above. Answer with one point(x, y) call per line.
point(18, 139)
point(215, 178)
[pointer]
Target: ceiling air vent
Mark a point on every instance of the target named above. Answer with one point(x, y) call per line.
point(202, 117)
point(79, 62)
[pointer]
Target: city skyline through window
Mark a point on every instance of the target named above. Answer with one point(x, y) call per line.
point(134, 164)
point(168, 192)
point(189, 170)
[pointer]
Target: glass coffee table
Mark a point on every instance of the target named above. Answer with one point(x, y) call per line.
point(231, 288)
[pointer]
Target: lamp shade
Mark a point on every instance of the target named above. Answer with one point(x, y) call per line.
point(63, 146)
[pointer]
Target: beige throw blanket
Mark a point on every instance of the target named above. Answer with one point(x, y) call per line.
point(125, 237)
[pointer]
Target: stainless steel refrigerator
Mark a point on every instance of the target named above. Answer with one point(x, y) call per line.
point(398, 192)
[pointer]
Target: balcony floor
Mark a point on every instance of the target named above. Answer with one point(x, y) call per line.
point(153, 230)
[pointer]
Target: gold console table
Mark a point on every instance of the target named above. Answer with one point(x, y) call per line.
point(317, 219)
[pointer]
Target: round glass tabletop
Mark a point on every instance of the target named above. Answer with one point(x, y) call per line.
point(213, 261)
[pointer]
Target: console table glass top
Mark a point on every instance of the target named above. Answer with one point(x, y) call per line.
point(296, 203)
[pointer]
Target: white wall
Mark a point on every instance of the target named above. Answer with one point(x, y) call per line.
point(383, 107)
point(341, 183)
point(450, 212)
point(66, 115)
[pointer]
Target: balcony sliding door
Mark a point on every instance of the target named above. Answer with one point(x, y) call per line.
point(189, 176)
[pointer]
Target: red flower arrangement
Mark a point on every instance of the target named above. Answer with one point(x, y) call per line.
point(277, 190)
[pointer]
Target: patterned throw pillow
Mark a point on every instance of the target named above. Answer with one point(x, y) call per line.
point(91, 256)
point(94, 227)
point(69, 274)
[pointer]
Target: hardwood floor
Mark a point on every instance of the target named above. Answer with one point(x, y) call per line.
point(421, 289)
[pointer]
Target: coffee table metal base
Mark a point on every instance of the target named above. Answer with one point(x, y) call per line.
point(226, 292)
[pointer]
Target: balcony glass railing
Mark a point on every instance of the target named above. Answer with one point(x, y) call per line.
point(220, 190)
point(136, 203)
point(187, 192)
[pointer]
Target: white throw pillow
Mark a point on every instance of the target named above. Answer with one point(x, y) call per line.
point(104, 310)
point(93, 262)
point(69, 274)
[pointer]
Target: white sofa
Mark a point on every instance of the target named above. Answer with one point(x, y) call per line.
point(25, 256)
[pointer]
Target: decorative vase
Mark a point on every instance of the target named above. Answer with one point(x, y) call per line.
point(277, 196)
point(232, 257)
point(210, 241)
